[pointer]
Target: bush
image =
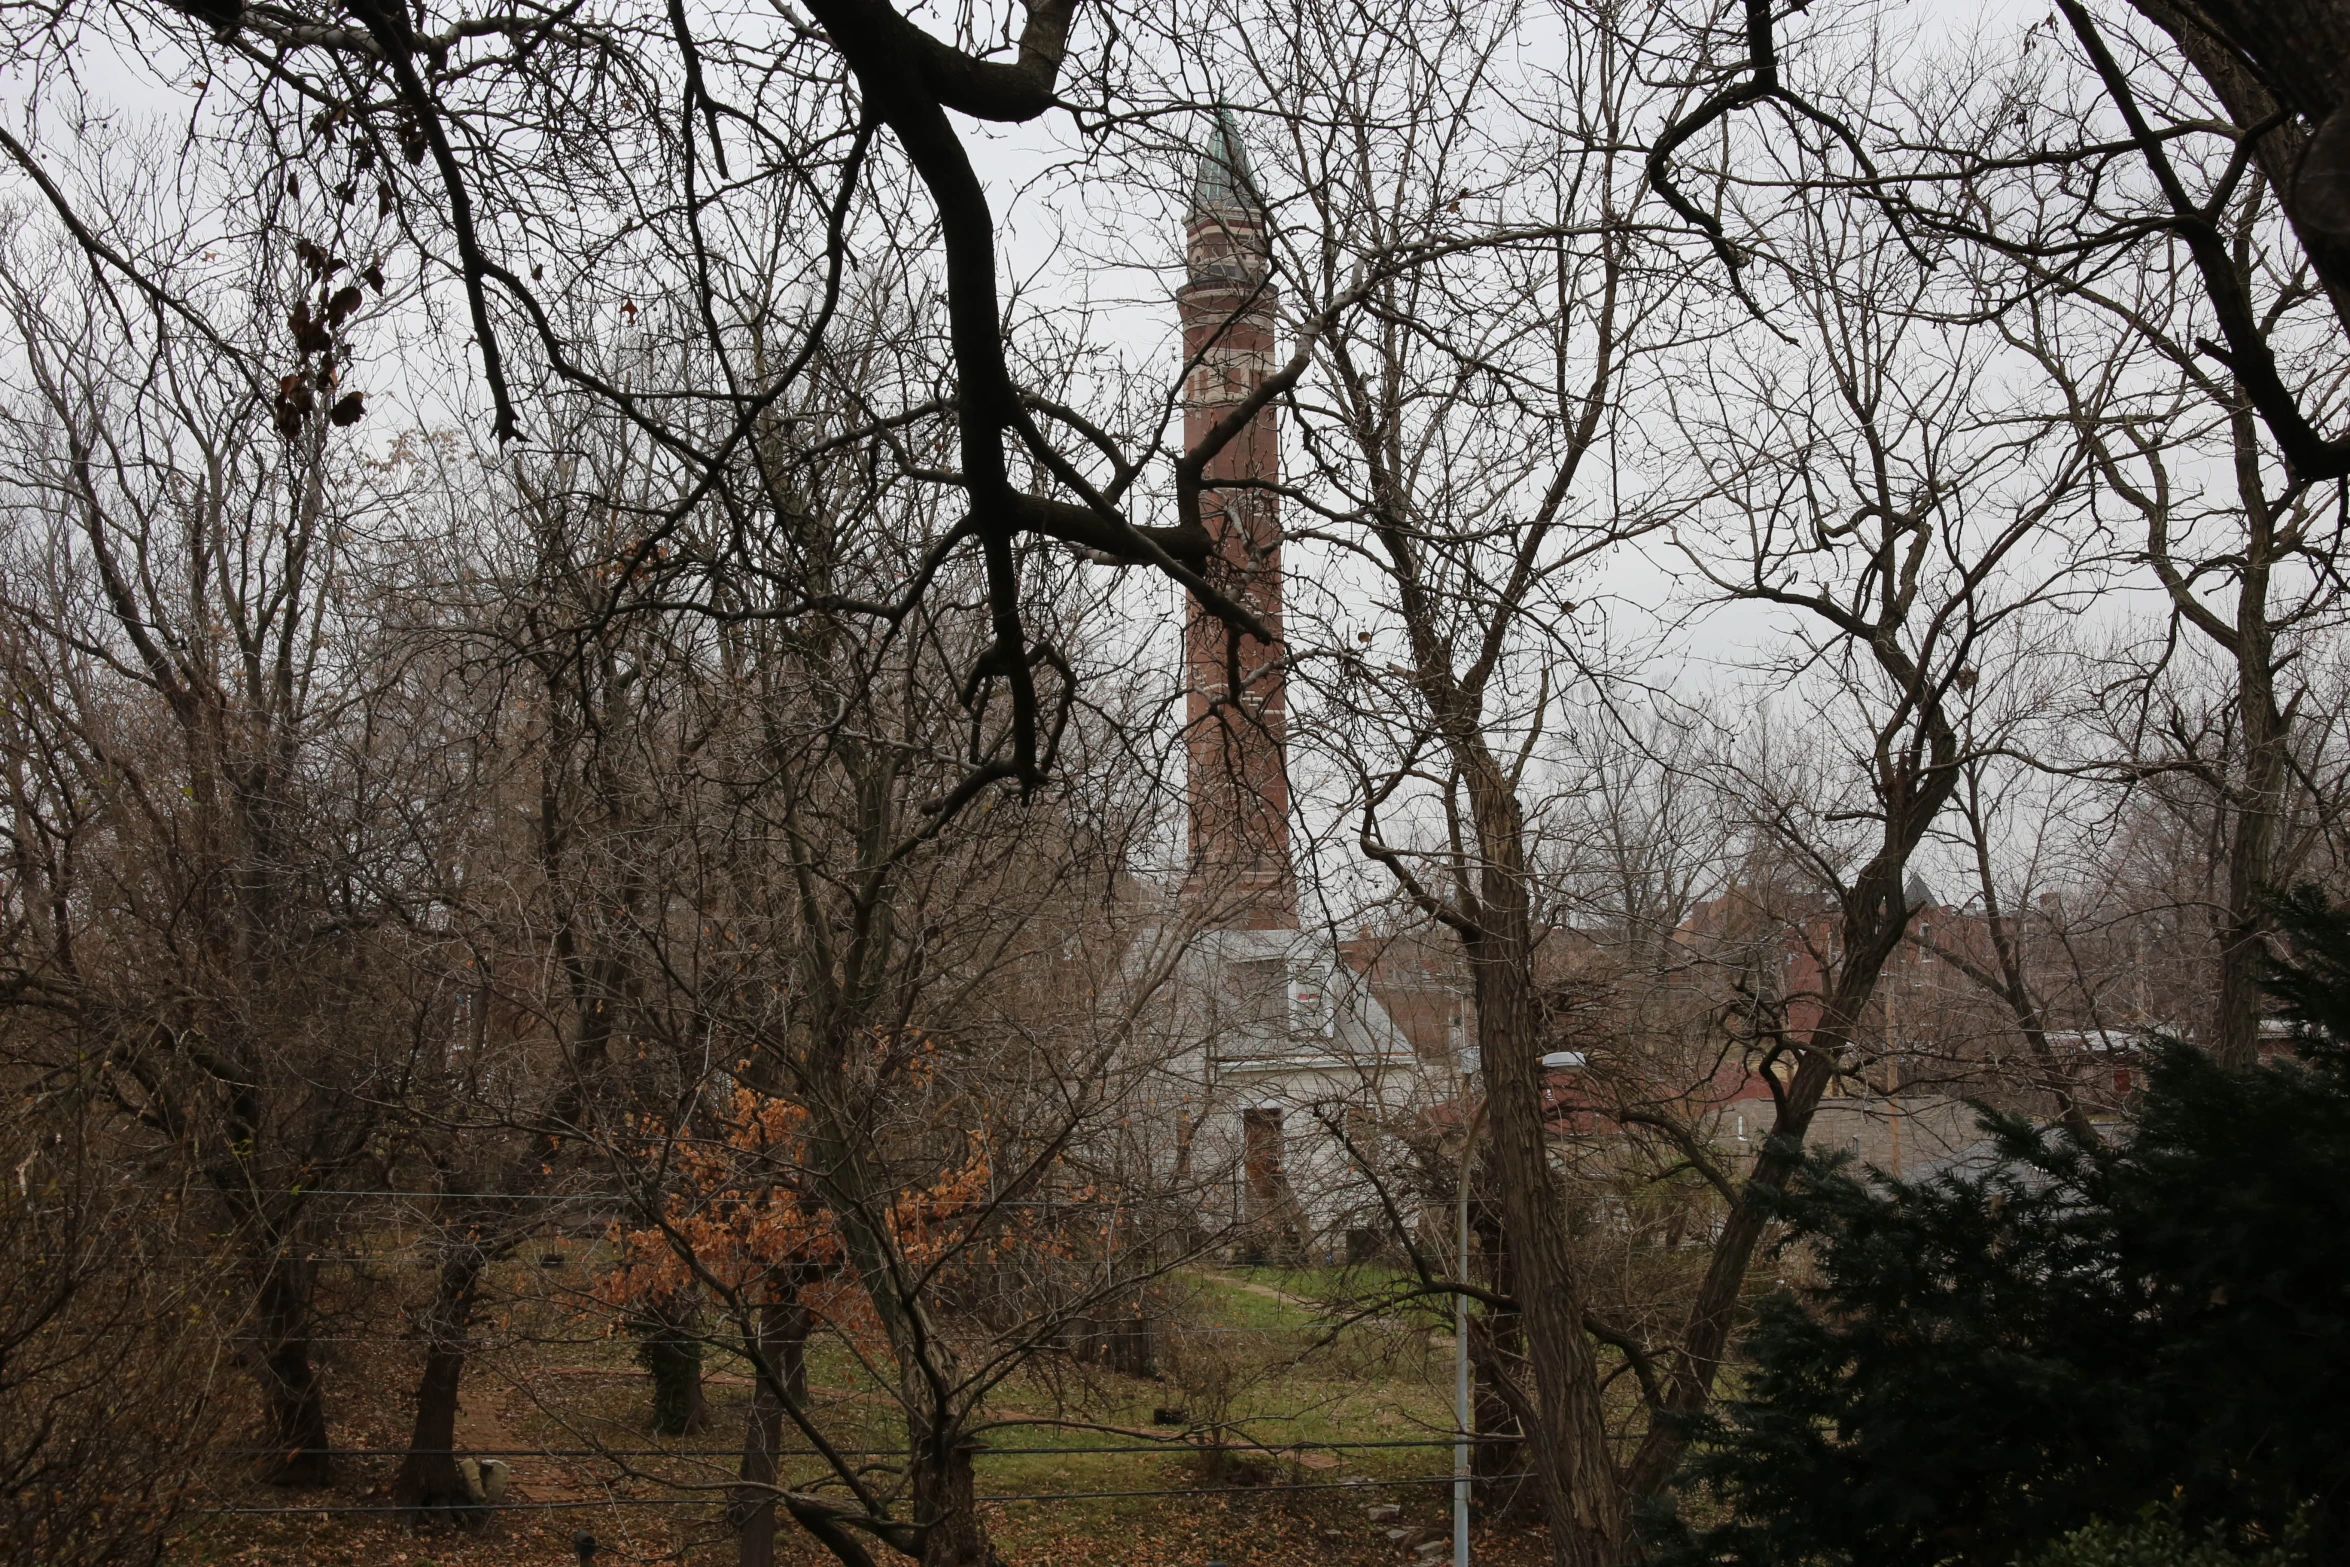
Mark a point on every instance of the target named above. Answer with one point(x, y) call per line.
point(102, 1370)
point(1989, 1362)
point(2155, 1538)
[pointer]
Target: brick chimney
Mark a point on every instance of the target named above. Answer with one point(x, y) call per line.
point(1238, 781)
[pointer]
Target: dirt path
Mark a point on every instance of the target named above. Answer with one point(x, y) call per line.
point(1269, 1292)
point(1437, 1338)
point(485, 1424)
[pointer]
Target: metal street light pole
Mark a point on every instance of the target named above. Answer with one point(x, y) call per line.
point(1460, 1396)
point(1460, 1357)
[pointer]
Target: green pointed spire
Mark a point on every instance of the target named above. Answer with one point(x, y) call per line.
point(1224, 183)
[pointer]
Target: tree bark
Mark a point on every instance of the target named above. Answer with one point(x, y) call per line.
point(293, 1394)
point(428, 1476)
point(944, 1503)
point(2252, 845)
point(1497, 1338)
point(783, 1346)
point(2300, 47)
point(2251, 101)
point(671, 1348)
point(1568, 1444)
point(2251, 853)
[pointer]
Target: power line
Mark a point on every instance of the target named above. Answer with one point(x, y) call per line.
point(624, 1199)
point(545, 1338)
point(1175, 1445)
point(1360, 1484)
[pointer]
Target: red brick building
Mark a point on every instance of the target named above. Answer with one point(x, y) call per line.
point(1236, 711)
point(1268, 1037)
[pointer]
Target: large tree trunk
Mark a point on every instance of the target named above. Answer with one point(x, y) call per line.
point(1497, 1338)
point(670, 1345)
point(293, 1395)
point(944, 1492)
point(428, 1476)
point(1568, 1442)
point(2280, 152)
point(783, 1347)
point(2302, 47)
point(2251, 868)
point(2252, 849)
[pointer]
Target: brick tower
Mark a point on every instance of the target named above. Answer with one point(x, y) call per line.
point(1238, 781)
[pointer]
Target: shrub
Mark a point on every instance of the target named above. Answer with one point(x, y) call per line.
point(1987, 1362)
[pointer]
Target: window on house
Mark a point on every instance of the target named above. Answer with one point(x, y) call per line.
point(1260, 1152)
point(1256, 993)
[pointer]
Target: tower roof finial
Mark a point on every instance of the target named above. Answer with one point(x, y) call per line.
point(1224, 183)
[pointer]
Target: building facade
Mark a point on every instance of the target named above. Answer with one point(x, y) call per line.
point(1236, 711)
point(1272, 1044)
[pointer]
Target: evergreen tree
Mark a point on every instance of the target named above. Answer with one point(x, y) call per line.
point(1985, 1362)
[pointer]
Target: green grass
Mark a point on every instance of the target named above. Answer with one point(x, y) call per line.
point(1266, 1367)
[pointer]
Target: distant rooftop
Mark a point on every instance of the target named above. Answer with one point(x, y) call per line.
point(1225, 183)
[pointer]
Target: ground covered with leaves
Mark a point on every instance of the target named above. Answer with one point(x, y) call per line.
point(1347, 1433)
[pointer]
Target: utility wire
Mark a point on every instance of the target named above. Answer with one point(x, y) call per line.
point(1174, 1445)
point(1362, 1484)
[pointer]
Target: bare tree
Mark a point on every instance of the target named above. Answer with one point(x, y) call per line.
point(196, 846)
point(1451, 431)
point(762, 962)
point(702, 131)
point(1872, 481)
point(938, 1018)
point(104, 1359)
